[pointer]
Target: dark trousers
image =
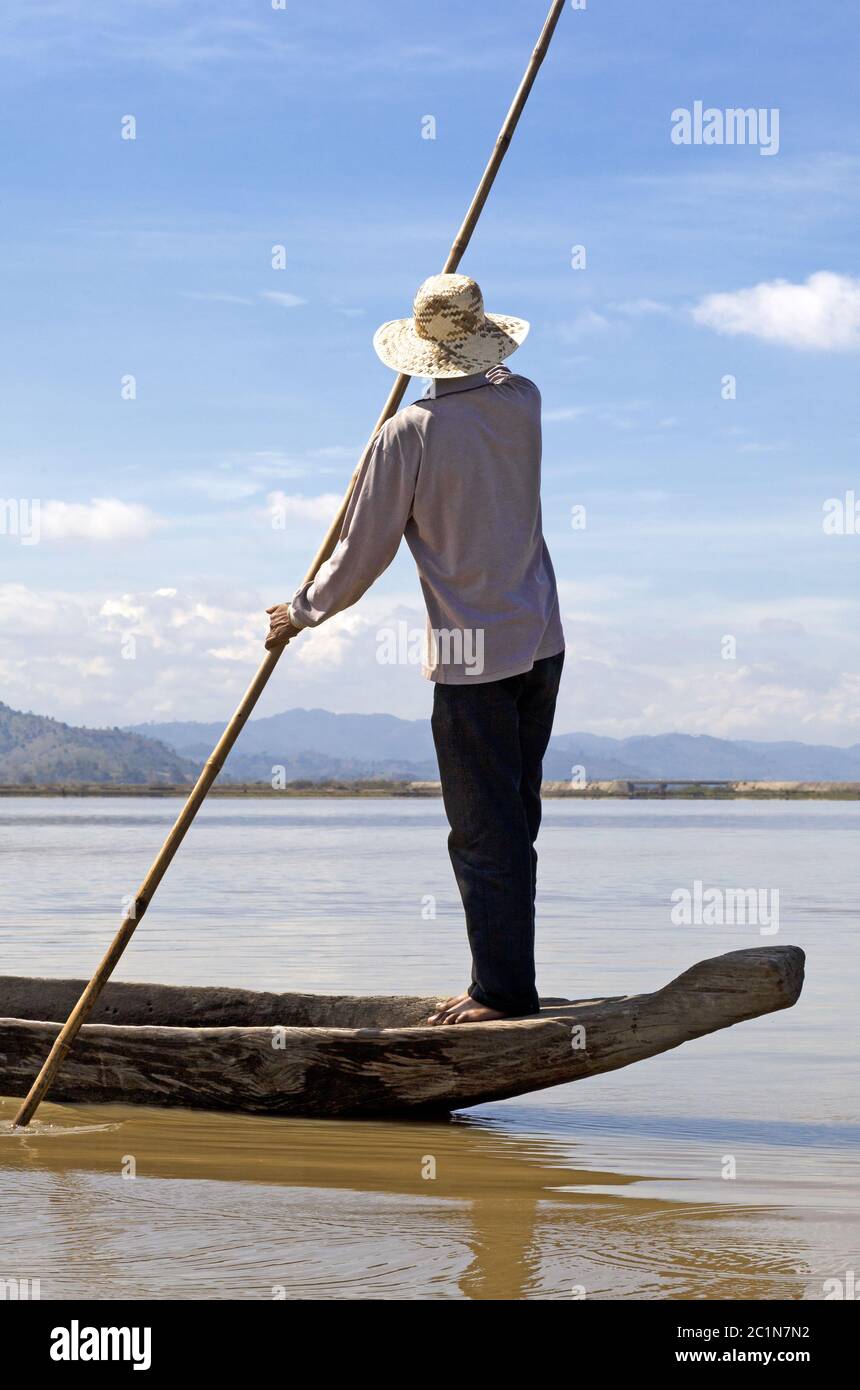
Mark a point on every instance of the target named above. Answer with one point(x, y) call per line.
point(490, 741)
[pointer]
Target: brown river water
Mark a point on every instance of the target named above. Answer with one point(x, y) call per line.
point(614, 1187)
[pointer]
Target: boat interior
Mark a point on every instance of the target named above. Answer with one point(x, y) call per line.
point(189, 1006)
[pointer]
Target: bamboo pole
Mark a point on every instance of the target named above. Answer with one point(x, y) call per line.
point(215, 762)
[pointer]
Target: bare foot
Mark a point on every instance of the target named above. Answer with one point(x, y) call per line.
point(443, 1005)
point(466, 1011)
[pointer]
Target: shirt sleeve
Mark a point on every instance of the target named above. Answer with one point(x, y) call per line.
point(372, 530)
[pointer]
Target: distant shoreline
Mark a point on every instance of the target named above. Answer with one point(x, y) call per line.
point(652, 790)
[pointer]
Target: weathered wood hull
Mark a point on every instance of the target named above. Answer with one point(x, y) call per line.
point(291, 1054)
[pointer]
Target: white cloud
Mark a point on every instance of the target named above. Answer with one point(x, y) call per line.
point(26, 613)
point(286, 508)
point(638, 662)
point(96, 667)
point(565, 412)
point(220, 485)
point(239, 477)
point(237, 652)
point(216, 298)
point(272, 463)
point(621, 415)
point(192, 655)
point(782, 627)
point(198, 613)
point(335, 451)
point(102, 519)
point(122, 608)
point(164, 34)
point(586, 323)
point(286, 299)
point(821, 314)
point(282, 297)
point(636, 308)
point(344, 641)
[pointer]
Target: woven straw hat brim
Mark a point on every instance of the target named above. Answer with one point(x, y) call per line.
point(400, 347)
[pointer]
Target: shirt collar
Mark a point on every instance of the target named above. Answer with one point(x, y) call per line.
point(444, 386)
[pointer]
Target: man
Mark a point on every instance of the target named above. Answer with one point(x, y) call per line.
point(458, 473)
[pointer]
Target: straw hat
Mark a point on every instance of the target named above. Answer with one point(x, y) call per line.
point(449, 334)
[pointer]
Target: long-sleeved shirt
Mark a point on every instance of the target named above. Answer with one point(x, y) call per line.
point(459, 476)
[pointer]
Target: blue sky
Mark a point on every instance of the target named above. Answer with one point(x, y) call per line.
point(143, 597)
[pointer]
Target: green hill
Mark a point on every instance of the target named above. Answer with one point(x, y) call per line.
point(35, 750)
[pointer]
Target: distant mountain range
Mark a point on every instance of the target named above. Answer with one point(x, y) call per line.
point(691, 756)
point(317, 745)
point(311, 743)
point(35, 750)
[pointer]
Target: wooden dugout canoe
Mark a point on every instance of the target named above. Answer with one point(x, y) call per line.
point(321, 1055)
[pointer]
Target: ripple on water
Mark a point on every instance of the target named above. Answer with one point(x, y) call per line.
point(44, 1129)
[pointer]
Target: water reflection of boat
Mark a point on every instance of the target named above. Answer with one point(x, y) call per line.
point(317, 1055)
point(334, 1208)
